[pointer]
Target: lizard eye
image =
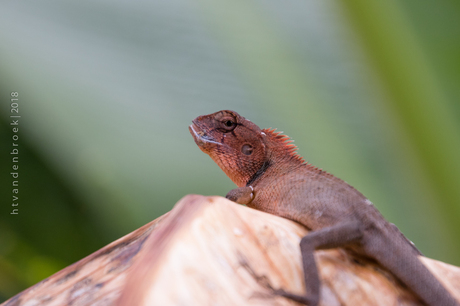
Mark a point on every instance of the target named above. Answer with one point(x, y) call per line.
point(246, 149)
point(228, 124)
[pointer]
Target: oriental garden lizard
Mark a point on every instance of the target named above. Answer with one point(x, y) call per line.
point(272, 177)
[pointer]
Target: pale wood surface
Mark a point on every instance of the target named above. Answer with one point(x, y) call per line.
point(210, 251)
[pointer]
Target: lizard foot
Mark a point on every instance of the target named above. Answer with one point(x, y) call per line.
point(265, 283)
point(296, 298)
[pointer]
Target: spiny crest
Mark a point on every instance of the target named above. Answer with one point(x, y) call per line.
point(285, 143)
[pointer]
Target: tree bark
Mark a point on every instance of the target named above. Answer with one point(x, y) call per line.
point(210, 251)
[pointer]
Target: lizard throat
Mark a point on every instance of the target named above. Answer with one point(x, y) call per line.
point(259, 172)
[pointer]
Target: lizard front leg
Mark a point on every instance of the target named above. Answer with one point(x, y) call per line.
point(325, 238)
point(241, 195)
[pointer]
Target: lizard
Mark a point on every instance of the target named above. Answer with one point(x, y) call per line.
point(272, 177)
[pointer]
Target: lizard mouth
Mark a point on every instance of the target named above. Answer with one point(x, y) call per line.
point(200, 137)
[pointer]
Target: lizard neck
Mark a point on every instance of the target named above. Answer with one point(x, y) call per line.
point(280, 157)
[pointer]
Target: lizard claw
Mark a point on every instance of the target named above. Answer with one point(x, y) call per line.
point(264, 282)
point(295, 297)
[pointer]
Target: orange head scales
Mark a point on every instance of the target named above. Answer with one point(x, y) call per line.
point(240, 148)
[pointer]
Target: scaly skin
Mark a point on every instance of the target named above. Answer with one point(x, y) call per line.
point(271, 177)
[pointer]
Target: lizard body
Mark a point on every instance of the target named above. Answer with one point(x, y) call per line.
point(273, 178)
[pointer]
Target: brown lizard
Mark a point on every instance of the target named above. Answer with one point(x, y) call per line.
point(272, 177)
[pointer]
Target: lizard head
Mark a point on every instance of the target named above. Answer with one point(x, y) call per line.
point(233, 142)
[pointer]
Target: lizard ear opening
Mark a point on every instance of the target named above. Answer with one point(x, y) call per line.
point(247, 149)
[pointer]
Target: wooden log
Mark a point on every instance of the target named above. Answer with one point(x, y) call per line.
point(210, 251)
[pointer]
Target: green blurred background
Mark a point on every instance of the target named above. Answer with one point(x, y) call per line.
point(370, 91)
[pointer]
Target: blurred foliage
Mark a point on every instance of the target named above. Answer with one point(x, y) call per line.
point(369, 91)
